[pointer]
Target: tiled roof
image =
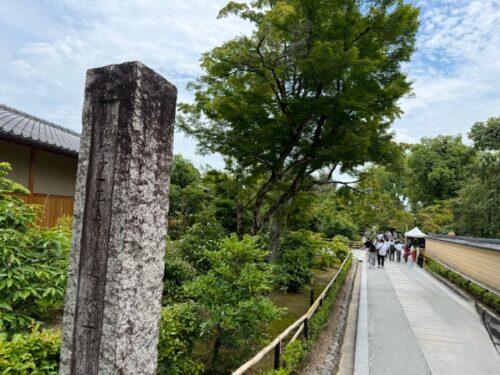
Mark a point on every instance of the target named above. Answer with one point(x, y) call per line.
point(485, 243)
point(25, 128)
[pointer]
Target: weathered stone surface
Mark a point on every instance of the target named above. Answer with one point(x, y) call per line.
point(115, 278)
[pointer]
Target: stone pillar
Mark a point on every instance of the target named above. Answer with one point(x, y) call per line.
point(116, 264)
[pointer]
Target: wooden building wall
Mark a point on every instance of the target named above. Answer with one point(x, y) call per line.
point(478, 264)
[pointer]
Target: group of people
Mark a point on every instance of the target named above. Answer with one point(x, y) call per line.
point(392, 247)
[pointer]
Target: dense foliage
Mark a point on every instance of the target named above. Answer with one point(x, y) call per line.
point(179, 328)
point(33, 265)
point(438, 167)
point(232, 296)
point(33, 261)
point(296, 258)
point(36, 352)
point(316, 85)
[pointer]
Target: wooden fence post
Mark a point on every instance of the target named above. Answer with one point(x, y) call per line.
point(277, 355)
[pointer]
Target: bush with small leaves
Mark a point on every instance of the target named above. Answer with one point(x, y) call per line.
point(295, 261)
point(234, 302)
point(325, 258)
point(36, 352)
point(339, 246)
point(197, 243)
point(180, 325)
point(177, 272)
point(33, 261)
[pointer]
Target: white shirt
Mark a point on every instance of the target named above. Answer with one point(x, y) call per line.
point(399, 247)
point(382, 251)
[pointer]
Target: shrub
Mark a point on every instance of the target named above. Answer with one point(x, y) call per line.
point(33, 261)
point(232, 295)
point(297, 351)
point(295, 260)
point(339, 238)
point(492, 300)
point(179, 327)
point(177, 272)
point(33, 353)
point(339, 246)
point(324, 258)
point(200, 240)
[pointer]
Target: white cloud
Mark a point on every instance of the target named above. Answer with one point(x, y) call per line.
point(46, 72)
point(456, 71)
point(47, 45)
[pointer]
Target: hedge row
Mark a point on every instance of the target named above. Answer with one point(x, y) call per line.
point(485, 296)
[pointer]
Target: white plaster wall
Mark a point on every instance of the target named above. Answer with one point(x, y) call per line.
point(54, 174)
point(19, 158)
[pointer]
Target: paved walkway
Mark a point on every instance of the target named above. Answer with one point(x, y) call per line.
point(409, 323)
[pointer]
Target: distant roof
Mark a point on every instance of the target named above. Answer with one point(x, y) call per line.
point(485, 243)
point(25, 128)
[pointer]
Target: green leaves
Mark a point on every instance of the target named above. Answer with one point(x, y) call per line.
point(179, 327)
point(296, 258)
point(35, 353)
point(231, 295)
point(33, 262)
point(486, 135)
point(317, 84)
point(7, 185)
point(438, 168)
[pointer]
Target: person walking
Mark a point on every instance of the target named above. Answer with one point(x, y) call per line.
point(399, 250)
point(407, 250)
point(382, 253)
point(372, 253)
point(392, 250)
point(413, 256)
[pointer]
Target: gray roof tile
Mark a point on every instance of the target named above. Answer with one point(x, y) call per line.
point(25, 128)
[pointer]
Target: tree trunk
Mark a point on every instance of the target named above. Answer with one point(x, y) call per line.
point(240, 219)
point(215, 351)
point(274, 236)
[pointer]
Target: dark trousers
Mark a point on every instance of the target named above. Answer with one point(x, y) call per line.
point(398, 256)
point(391, 255)
point(380, 260)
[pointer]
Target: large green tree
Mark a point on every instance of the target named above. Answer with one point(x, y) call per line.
point(438, 168)
point(315, 86)
point(477, 209)
point(486, 135)
point(378, 201)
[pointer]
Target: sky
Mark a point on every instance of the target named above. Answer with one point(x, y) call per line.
point(46, 46)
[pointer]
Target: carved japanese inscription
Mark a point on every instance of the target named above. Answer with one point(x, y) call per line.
point(95, 239)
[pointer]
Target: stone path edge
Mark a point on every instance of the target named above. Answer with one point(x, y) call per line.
point(361, 355)
point(332, 359)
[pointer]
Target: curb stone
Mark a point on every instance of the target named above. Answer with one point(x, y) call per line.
point(331, 362)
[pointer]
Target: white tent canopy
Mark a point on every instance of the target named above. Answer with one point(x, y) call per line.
point(415, 233)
